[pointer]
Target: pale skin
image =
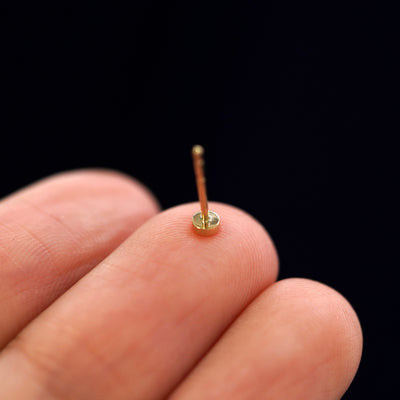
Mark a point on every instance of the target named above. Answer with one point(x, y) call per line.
point(102, 296)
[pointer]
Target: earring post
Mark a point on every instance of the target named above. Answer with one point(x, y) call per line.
point(198, 165)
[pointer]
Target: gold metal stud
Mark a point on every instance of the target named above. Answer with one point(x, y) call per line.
point(205, 222)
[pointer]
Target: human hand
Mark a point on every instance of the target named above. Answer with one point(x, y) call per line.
point(102, 297)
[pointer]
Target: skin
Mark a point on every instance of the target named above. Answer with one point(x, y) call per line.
point(104, 297)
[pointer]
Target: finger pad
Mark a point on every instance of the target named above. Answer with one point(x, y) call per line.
point(299, 339)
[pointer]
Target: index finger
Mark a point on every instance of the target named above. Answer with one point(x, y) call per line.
point(136, 324)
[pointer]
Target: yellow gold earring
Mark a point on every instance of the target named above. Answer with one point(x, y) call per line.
point(205, 222)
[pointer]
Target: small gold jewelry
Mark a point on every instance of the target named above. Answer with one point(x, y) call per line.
point(205, 222)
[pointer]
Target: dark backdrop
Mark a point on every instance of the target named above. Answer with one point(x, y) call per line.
point(284, 99)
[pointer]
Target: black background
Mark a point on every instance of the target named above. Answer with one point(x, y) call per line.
point(290, 103)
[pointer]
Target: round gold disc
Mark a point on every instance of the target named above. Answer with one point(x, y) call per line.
point(206, 228)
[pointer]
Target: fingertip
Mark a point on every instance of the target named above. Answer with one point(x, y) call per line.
point(102, 180)
point(329, 323)
point(298, 339)
point(240, 237)
point(241, 230)
point(325, 303)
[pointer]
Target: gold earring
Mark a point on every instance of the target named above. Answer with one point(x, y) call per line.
point(205, 222)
